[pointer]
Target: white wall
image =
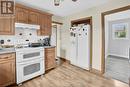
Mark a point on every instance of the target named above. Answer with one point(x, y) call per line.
point(113, 46)
point(57, 18)
point(95, 12)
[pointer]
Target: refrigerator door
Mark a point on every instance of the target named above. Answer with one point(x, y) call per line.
point(83, 59)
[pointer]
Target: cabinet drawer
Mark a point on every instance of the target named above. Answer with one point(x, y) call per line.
point(4, 57)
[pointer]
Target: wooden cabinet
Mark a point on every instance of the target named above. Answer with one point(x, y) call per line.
point(21, 15)
point(7, 25)
point(45, 23)
point(50, 58)
point(7, 69)
point(48, 28)
point(34, 17)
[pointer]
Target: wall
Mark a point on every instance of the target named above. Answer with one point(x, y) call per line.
point(95, 12)
point(113, 46)
point(57, 18)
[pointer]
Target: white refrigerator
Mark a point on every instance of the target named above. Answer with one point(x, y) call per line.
point(80, 46)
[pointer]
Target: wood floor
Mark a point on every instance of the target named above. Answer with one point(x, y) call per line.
point(70, 76)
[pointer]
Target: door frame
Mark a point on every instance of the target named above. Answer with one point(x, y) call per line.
point(103, 32)
point(55, 26)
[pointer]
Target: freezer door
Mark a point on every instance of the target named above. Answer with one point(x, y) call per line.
point(73, 51)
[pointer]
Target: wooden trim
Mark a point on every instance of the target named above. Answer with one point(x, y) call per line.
point(103, 33)
point(64, 60)
point(91, 39)
point(95, 71)
point(57, 22)
point(91, 43)
point(86, 18)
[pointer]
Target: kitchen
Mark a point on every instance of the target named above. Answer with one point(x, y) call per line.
point(24, 49)
point(29, 58)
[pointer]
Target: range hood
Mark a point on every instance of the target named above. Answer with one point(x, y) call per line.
point(26, 26)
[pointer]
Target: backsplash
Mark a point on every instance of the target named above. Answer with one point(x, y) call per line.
point(22, 36)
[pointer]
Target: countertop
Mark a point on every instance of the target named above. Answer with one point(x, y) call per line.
point(12, 50)
point(48, 46)
point(7, 50)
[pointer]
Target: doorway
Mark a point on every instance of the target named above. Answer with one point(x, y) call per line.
point(115, 44)
point(56, 39)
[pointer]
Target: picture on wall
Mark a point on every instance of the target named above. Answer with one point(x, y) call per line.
point(120, 30)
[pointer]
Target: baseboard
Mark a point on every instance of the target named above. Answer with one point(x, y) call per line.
point(116, 55)
point(97, 72)
point(64, 60)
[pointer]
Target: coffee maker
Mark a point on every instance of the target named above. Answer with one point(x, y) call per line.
point(45, 42)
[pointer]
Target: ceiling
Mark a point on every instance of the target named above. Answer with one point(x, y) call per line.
point(67, 7)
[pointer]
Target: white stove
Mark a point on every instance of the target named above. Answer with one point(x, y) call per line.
point(29, 63)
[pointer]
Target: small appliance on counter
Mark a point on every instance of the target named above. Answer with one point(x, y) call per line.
point(45, 42)
point(35, 44)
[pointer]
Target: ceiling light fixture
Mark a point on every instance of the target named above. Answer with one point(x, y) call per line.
point(57, 2)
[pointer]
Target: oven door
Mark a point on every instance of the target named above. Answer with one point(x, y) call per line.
point(28, 55)
point(29, 70)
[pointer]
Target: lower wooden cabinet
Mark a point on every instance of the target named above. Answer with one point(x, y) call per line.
point(7, 69)
point(50, 58)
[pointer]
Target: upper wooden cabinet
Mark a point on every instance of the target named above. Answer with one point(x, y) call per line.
point(21, 15)
point(7, 25)
point(34, 17)
point(48, 27)
point(45, 24)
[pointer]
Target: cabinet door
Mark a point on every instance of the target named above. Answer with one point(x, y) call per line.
point(7, 26)
point(50, 58)
point(45, 22)
point(48, 23)
point(42, 25)
point(21, 15)
point(7, 72)
point(33, 17)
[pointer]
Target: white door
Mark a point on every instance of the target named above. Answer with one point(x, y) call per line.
point(58, 40)
point(54, 35)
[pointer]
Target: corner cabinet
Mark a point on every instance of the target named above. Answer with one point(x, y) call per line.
point(7, 25)
point(45, 23)
point(7, 69)
point(50, 58)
